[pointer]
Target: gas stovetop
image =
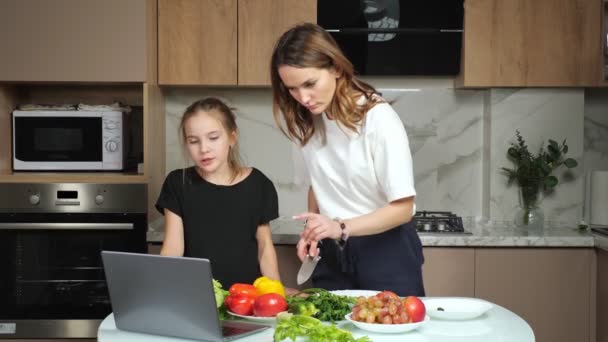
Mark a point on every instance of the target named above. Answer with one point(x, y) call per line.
point(603, 230)
point(442, 222)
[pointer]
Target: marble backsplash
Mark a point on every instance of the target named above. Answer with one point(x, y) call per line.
point(458, 140)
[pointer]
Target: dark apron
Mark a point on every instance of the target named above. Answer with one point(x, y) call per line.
point(391, 260)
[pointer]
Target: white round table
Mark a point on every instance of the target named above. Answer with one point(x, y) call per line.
point(496, 325)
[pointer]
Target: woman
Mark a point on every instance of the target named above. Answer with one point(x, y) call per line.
point(356, 155)
point(219, 209)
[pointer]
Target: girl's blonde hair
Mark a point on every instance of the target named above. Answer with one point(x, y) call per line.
point(310, 46)
point(225, 114)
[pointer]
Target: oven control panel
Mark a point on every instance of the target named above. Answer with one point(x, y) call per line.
point(73, 197)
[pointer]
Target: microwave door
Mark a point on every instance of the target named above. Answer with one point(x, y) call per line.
point(57, 143)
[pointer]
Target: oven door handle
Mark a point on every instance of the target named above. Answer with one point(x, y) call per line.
point(66, 226)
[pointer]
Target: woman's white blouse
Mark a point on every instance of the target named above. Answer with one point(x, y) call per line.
point(353, 174)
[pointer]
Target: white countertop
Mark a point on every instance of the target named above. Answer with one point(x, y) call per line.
point(498, 324)
point(286, 231)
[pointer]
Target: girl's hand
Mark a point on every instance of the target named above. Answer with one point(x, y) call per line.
point(318, 227)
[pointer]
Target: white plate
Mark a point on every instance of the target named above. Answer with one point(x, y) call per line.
point(258, 319)
point(387, 328)
point(456, 308)
point(355, 293)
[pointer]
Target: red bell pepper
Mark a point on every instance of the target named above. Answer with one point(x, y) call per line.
point(244, 290)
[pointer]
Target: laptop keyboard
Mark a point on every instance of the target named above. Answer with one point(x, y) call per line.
point(231, 331)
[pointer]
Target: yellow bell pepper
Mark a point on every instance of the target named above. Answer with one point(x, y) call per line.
point(267, 285)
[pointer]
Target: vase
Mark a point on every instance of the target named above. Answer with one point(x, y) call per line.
point(529, 214)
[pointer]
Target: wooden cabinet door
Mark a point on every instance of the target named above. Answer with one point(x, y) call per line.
point(261, 23)
point(602, 295)
point(532, 43)
point(73, 40)
point(549, 288)
point(197, 42)
point(449, 271)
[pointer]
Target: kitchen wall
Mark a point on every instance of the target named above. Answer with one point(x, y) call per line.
point(458, 139)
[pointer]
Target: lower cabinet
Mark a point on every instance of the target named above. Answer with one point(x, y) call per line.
point(449, 271)
point(602, 295)
point(154, 248)
point(289, 265)
point(550, 288)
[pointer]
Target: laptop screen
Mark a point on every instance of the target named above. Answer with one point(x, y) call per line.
point(162, 295)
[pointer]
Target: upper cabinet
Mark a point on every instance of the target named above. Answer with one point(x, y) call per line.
point(261, 23)
point(197, 42)
point(73, 41)
point(228, 42)
point(522, 43)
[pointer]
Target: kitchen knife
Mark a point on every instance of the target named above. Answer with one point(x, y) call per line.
point(308, 266)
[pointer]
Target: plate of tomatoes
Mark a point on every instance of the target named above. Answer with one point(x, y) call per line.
point(259, 319)
point(246, 302)
point(386, 312)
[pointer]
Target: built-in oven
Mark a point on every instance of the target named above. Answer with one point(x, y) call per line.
point(52, 283)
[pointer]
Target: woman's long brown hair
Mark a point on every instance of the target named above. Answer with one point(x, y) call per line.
point(309, 46)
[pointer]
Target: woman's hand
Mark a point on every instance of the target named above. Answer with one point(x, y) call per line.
point(306, 248)
point(319, 227)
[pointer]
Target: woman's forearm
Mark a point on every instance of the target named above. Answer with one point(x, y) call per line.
point(394, 214)
point(320, 227)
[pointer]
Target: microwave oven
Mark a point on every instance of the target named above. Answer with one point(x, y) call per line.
point(396, 37)
point(68, 140)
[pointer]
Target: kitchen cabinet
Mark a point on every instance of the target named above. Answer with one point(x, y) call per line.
point(289, 265)
point(205, 42)
point(521, 43)
point(197, 42)
point(73, 40)
point(261, 23)
point(62, 89)
point(602, 295)
point(145, 95)
point(551, 288)
point(449, 271)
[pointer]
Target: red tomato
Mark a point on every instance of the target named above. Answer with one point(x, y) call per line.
point(239, 304)
point(268, 305)
point(228, 300)
point(414, 308)
point(243, 290)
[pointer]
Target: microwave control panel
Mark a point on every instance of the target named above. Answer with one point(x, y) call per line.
point(112, 130)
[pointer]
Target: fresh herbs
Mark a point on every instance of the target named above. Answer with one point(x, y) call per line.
point(291, 326)
point(326, 306)
point(533, 172)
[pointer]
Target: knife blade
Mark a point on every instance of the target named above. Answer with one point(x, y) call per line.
point(308, 266)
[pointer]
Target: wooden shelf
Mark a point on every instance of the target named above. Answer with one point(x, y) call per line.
point(72, 177)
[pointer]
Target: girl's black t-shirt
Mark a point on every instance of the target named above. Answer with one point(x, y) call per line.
point(220, 222)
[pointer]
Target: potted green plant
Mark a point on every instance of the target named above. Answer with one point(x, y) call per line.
point(533, 175)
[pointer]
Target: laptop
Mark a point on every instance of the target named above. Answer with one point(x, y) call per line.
point(169, 296)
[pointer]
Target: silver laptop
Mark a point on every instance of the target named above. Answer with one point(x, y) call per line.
point(170, 296)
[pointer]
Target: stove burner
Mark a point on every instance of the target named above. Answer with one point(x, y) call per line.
point(439, 222)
